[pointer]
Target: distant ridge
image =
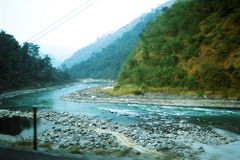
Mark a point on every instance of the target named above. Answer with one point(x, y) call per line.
point(86, 52)
point(106, 63)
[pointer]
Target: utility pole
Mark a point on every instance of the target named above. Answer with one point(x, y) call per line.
point(35, 128)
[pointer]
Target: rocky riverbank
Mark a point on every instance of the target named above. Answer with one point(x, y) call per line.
point(100, 95)
point(35, 90)
point(27, 91)
point(153, 139)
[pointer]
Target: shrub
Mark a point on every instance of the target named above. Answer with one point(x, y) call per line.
point(137, 92)
point(199, 38)
point(207, 40)
point(235, 40)
point(237, 74)
point(235, 16)
point(192, 51)
point(117, 87)
point(209, 28)
point(172, 46)
point(191, 82)
point(222, 53)
point(214, 78)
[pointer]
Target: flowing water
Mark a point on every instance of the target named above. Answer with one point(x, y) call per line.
point(124, 113)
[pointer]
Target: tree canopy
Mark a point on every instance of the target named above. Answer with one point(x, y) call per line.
point(23, 66)
point(193, 45)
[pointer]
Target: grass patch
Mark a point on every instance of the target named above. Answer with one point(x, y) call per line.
point(130, 89)
point(126, 90)
point(100, 89)
point(24, 143)
point(117, 152)
point(124, 152)
point(75, 151)
point(45, 145)
point(101, 152)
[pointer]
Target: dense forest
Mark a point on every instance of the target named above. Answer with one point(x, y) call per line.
point(193, 46)
point(106, 64)
point(23, 67)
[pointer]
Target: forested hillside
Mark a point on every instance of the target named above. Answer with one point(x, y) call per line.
point(85, 53)
point(107, 63)
point(193, 46)
point(23, 67)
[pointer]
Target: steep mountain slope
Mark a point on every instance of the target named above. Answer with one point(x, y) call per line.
point(86, 52)
point(193, 46)
point(106, 63)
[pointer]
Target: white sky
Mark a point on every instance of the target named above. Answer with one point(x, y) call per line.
point(25, 18)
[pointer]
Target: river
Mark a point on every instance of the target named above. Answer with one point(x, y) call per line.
point(123, 113)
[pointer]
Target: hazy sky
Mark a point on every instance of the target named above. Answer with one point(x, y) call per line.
point(25, 18)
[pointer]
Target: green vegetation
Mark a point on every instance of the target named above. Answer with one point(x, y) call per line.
point(75, 151)
point(24, 143)
point(45, 145)
point(106, 64)
point(85, 53)
point(192, 47)
point(23, 67)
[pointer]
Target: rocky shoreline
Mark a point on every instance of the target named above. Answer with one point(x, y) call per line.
point(27, 91)
point(100, 95)
point(11, 94)
point(81, 134)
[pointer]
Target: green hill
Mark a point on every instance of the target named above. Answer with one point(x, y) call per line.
point(106, 64)
point(85, 53)
point(193, 47)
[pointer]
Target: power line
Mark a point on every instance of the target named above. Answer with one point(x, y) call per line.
point(57, 21)
point(62, 20)
point(71, 14)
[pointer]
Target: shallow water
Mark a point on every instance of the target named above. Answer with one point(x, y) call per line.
point(14, 125)
point(123, 113)
point(222, 152)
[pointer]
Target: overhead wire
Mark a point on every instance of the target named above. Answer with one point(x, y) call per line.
point(55, 25)
point(62, 20)
point(57, 21)
point(48, 27)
